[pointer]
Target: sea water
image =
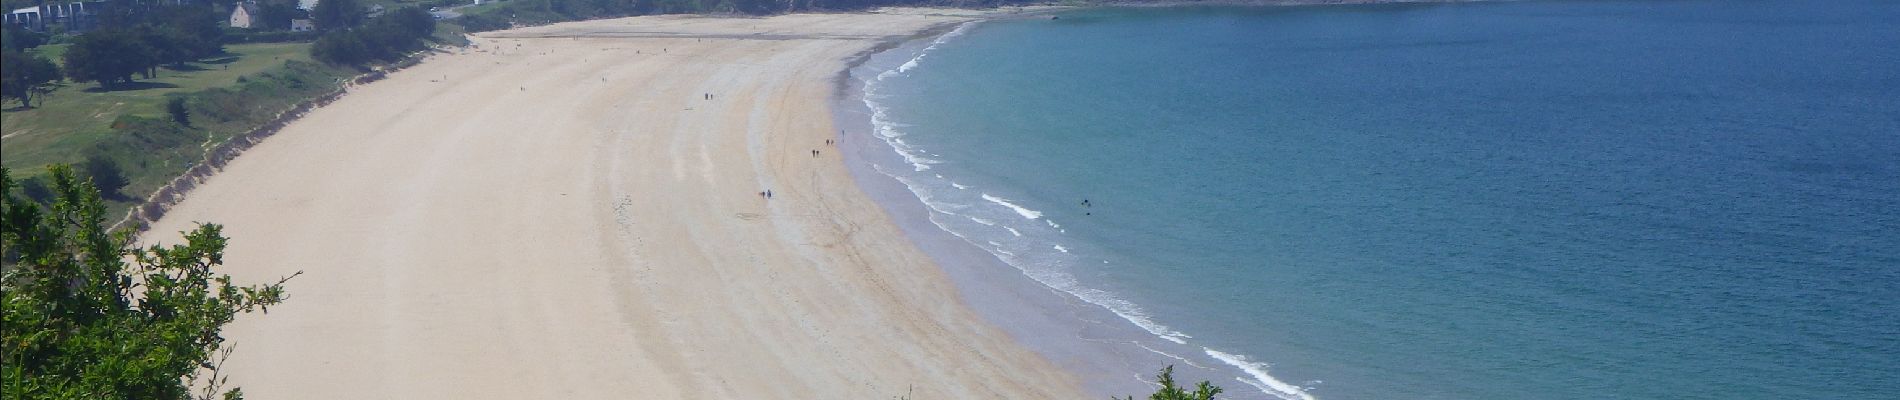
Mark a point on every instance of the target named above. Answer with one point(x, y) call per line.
point(1526, 200)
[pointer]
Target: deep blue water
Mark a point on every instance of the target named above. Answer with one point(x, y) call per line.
point(1536, 200)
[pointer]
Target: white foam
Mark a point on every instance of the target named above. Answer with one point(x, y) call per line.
point(910, 64)
point(1020, 210)
point(1049, 272)
point(1183, 360)
point(918, 60)
point(1258, 370)
point(891, 136)
point(1051, 277)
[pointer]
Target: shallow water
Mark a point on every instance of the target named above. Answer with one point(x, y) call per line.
point(1536, 200)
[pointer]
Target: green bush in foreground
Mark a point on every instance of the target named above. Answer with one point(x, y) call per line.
point(87, 316)
point(1168, 391)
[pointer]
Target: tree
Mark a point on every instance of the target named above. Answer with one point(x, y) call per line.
point(341, 48)
point(276, 14)
point(108, 56)
point(337, 14)
point(384, 38)
point(87, 315)
point(163, 46)
point(1168, 391)
point(197, 29)
point(412, 21)
point(23, 76)
point(106, 174)
point(13, 37)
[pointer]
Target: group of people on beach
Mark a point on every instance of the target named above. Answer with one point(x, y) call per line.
point(828, 142)
point(767, 194)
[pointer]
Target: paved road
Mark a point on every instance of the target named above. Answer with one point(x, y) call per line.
point(449, 13)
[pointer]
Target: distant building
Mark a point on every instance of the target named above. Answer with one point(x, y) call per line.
point(302, 25)
point(78, 16)
point(375, 11)
point(244, 15)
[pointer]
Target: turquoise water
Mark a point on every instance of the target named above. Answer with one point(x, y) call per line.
point(1538, 200)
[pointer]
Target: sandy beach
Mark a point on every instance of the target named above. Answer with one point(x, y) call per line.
point(573, 211)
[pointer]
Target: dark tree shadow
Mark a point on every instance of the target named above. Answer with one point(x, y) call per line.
point(220, 60)
point(126, 87)
point(184, 68)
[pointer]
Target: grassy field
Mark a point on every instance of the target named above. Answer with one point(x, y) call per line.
point(77, 115)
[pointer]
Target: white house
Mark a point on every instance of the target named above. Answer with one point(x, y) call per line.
point(244, 15)
point(302, 25)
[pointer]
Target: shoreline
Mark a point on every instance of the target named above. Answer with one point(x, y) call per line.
point(1114, 354)
point(559, 212)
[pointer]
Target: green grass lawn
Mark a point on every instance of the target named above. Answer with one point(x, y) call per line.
point(60, 126)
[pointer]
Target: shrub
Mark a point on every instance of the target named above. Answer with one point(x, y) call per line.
point(1168, 391)
point(87, 315)
point(106, 173)
point(175, 106)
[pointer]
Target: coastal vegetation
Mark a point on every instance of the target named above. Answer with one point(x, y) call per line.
point(140, 101)
point(171, 36)
point(154, 131)
point(386, 38)
point(90, 316)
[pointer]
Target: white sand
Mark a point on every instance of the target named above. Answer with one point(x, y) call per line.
point(565, 216)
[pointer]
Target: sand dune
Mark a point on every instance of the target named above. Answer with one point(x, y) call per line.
point(559, 212)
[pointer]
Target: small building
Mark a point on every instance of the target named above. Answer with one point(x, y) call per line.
point(375, 11)
point(78, 16)
point(244, 15)
point(302, 25)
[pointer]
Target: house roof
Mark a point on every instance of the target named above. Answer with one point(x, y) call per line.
point(248, 7)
